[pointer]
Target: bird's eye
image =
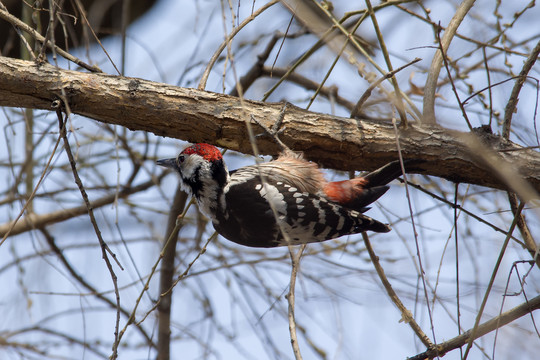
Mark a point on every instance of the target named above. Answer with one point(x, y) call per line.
point(181, 159)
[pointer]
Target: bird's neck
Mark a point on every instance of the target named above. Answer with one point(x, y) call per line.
point(209, 191)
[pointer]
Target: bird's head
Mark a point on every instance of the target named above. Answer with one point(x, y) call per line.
point(199, 166)
point(192, 158)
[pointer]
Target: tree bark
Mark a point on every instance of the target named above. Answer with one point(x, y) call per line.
point(202, 116)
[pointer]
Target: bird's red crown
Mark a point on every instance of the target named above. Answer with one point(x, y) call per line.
point(207, 151)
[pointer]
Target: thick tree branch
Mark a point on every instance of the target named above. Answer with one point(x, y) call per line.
point(201, 116)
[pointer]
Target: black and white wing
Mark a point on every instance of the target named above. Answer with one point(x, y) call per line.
point(297, 217)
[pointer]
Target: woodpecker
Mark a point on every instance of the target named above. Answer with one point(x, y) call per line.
point(282, 202)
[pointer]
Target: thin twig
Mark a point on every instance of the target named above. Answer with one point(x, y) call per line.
point(166, 275)
point(409, 202)
point(92, 291)
point(326, 91)
point(12, 225)
point(526, 234)
point(104, 247)
point(514, 96)
point(490, 325)
point(491, 281)
point(450, 78)
point(256, 70)
point(490, 93)
point(37, 221)
point(178, 225)
point(20, 24)
point(131, 318)
point(436, 64)
point(461, 208)
point(179, 278)
point(295, 264)
point(456, 244)
point(489, 43)
point(506, 294)
point(223, 45)
point(332, 66)
point(398, 94)
point(406, 315)
point(489, 87)
point(356, 110)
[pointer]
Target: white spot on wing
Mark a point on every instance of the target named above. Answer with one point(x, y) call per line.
point(271, 194)
point(322, 215)
point(340, 223)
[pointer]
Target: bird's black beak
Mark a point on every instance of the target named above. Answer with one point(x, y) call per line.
point(170, 163)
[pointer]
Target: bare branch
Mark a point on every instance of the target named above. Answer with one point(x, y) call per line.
point(104, 247)
point(37, 221)
point(167, 274)
point(436, 63)
point(483, 329)
point(20, 24)
point(295, 264)
point(201, 116)
point(514, 97)
point(406, 315)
